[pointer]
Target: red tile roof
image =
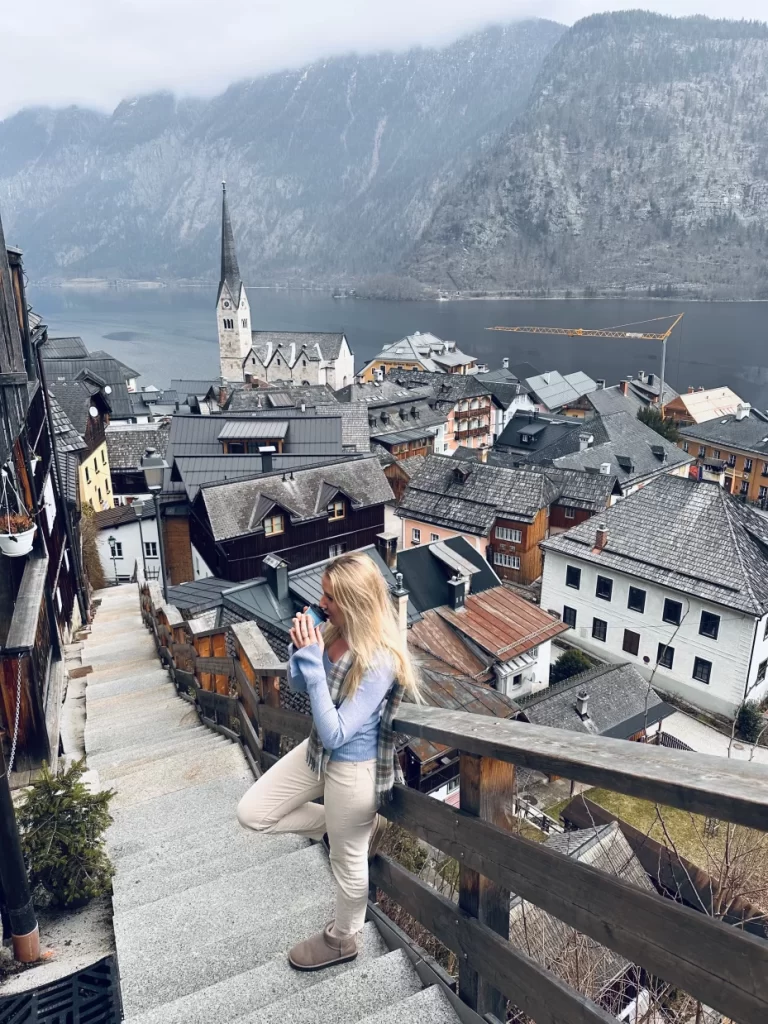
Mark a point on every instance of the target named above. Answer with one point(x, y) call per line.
point(502, 623)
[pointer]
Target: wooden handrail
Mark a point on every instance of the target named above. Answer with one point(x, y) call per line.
point(703, 784)
point(723, 966)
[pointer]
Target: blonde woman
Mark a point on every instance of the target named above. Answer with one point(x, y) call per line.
point(355, 669)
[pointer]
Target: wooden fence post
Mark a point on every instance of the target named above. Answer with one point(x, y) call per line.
point(487, 789)
point(271, 697)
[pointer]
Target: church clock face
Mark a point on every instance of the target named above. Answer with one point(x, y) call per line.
point(225, 303)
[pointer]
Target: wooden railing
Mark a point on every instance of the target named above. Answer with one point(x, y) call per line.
point(722, 965)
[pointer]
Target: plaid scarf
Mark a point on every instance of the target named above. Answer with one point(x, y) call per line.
point(388, 770)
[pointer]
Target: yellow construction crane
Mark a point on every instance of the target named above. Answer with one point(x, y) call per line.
point(612, 332)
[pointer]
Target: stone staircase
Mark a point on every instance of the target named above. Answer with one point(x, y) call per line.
point(205, 912)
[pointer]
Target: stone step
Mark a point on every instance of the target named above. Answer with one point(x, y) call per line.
point(232, 998)
point(136, 712)
point(159, 684)
point(187, 967)
point(174, 763)
point(170, 744)
point(101, 737)
point(188, 812)
point(127, 652)
point(188, 846)
point(140, 787)
point(140, 889)
point(199, 738)
point(430, 1006)
point(129, 683)
point(225, 906)
point(347, 998)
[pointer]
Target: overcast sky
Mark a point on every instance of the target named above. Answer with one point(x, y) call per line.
point(97, 52)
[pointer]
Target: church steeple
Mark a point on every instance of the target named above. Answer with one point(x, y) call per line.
point(230, 269)
point(232, 310)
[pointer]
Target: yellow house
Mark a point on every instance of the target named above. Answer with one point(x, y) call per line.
point(96, 480)
point(418, 352)
point(85, 404)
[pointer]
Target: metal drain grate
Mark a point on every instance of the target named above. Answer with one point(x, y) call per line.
point(92, 996)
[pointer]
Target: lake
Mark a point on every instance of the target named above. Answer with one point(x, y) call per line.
point(169, 333)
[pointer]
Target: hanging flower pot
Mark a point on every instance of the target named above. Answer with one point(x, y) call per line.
point(17, 532)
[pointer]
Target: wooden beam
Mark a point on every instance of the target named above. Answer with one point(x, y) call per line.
point(216, 666)
point(723, 966)
point(531, 988)
point(284, 722)
point(485, 785)
point(715, 787)
point(271, 690)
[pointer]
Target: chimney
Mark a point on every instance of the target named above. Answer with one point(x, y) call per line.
point(585, 441)
point(691, 389)
point(386, 545)
point(601, 536)
point(303, 406)
point(400, 597)
point(459, 588)
point(276, 572)
point(505, 363)
point(641, 376)
point(624, 387)
point(651, 379)
point(742, 410)
point(600, 384)
point(700, 387)
point(582, 704)
point(266, 458)
point(605, 468)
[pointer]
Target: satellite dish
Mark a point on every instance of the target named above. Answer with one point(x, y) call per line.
point(107, 389)
point(93, 411)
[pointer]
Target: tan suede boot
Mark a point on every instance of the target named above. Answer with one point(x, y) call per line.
point(322, 950)
point(380, 825)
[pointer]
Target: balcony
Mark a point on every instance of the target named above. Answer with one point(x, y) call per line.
point(465, 414)
point(716, 957)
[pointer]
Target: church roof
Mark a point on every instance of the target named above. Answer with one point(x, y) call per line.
point(230, 269)
point(325, 345)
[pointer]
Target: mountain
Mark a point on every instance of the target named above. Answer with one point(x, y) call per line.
point(639, 163)
point(333, 169)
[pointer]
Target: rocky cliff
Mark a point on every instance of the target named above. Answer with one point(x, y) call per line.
point(640, 163)
point(333, 170)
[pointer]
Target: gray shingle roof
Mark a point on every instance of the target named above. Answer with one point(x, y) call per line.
point(448, 387)
point(608, 400)
point(126, 443)
point(235, 509)
point(107, 368)
point(354, 425)
point(623, 441)
point(249, 399)
point(554, 429)
point(326, 343)
point(75, 398)
point(749, 434)
point(122, 514)
point(67, 438)
point(65, 348)
point(385, 392)
point(620, 704)
point(689, 536)
point(436, 494)
point(196, 470)
point(185, 386)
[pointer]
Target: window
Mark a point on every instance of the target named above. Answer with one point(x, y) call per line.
point(337, 549)
point(508, 561)
point(572, 577)
point(604, 588)
point(98, 489)
point(731, 460)
point(87, 475)
point(415, 536)
point(673, 612)
point(665, 656)
point(103, 457)
point(599, 629)
point(228, 324)
point(95, 465)
point(702, 670)
point(631, 643)
point(636, 599)
point(762, 492)
point(150, 548)
point(715, 453)
point(335, 511)
point(244, 322)
point(761, 669)
point(765, 469)
point(744, 489)
point(686, 446)
point(709, 625)
point(106, 485)
point(433, 537)
point(569, 616)
point(116, 549)
point(274, 525)
point(506, 533)
point(702, 451)
point(569, 513)
point(747, 465)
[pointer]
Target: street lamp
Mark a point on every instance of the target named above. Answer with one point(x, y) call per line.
point(154, 467)
point(112, 541)
point(138, 508)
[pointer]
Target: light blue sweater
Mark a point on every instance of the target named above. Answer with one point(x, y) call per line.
point(351, 731)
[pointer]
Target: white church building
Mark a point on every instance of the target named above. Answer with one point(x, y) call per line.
point(303, 358)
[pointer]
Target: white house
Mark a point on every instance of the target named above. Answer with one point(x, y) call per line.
point(673, 580)
point(124, 542)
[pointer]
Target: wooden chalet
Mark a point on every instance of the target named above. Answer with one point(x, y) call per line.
point(41, 593)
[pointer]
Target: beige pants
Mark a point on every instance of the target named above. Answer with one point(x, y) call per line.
point(280, 802)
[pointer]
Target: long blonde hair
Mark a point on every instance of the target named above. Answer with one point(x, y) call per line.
point(370, 626)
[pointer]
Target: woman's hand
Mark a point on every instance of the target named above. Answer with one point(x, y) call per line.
point(304, 632)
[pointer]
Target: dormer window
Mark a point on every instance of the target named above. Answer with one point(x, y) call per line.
point(336, 511)
point(274, 525)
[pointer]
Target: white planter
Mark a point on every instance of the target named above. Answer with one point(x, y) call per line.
point(15, 545)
